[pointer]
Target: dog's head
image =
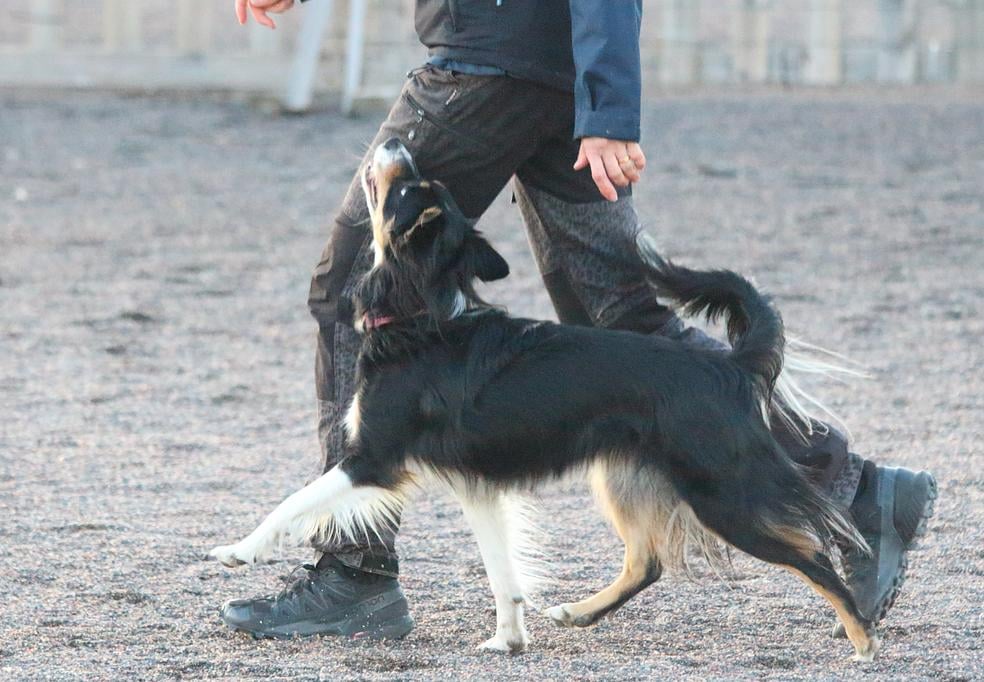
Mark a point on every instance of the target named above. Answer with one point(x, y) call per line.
point(427, 254)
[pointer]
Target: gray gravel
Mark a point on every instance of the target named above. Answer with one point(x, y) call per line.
point(156, 397)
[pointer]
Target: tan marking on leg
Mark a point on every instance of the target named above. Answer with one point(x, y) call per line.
point(866, 644)
point(634, 573)
point(805, 543)
point(639, 536)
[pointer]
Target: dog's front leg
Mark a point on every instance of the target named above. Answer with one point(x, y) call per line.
point(488, 517)
point(326, 496)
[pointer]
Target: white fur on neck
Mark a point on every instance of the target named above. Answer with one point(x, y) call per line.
point(352, 420)
point(460, 305)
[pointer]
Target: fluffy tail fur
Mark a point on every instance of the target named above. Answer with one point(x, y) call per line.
point(801, 516)
point(754, 325)
point(800, 410)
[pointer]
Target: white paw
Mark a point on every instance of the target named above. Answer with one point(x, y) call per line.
point(232, 555)
point(506, 643)
point(560, 615)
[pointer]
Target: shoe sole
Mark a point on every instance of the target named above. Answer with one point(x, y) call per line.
point(929, 508)
point(394, 630)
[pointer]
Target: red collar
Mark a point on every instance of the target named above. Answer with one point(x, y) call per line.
point(370, 321)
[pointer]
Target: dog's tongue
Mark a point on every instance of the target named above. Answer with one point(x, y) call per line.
point(371, 321)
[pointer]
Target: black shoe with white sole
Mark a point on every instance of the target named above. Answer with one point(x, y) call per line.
point(327, 599)
point(891, 511)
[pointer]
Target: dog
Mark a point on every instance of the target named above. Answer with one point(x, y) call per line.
point(453, 390)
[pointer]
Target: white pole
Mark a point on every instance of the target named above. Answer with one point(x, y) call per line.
point(752, 41)
point(194, 26)
point(824, 60)
point(121, 25)
point(679, 41)
point(300, 81)
point(897, 38)
point(45, 33)
point(354, 54)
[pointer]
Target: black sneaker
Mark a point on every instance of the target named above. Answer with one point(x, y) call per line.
point(327, 599)
point(891, 512)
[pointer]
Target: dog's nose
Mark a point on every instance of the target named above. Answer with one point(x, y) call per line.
point(394, 155)
point(393, 145)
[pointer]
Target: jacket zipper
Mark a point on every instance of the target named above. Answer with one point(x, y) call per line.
point(423, 113)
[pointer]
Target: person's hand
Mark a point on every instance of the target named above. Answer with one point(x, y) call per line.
point(259, 10)
point(611, 161)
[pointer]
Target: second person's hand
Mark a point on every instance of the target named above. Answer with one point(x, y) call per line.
point(260, 10)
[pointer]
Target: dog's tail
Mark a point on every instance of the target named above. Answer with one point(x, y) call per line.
point(754, 325)
point(796, 512)
point(801, 411)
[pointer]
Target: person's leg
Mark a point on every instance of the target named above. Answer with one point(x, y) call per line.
point(473, 150)
point(470, 133)
point(344, 259)
point(589, 260)
point(587, 253)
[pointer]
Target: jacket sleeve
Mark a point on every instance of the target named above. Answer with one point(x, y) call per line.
point(608, 79)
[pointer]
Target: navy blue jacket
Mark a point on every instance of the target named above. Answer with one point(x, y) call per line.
point(588, 46)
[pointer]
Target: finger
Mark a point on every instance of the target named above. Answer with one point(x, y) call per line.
point(241, 11)
point(600, 177)
point(627, 165)
point(630, 171)
point(614, 170)
point(281, 7)
point(260, 16)
point(582, 158)
point(635, 153)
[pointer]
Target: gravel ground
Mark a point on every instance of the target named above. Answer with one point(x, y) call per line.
point(156, 397)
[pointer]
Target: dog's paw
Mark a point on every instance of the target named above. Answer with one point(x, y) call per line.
point(869, 653)
point(838, 631)
point(231, 555)
point(505, 644)
point(560, 615)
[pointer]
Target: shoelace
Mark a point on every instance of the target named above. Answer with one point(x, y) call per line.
point(294, 585)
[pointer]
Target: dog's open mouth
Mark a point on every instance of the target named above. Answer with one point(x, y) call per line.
point(372, 189)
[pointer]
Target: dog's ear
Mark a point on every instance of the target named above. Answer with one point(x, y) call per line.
point(483, 260)
point(479, 256)
point(417, 206)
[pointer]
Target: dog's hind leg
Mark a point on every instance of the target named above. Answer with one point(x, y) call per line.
point(821, 576)
point(800, 552)
point(488, 513)
point(638, 530)
point(330, 503)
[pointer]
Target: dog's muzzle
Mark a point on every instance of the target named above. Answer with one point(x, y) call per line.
point(390, 162)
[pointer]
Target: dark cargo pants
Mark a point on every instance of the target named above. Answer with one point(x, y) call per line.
point(474, 133)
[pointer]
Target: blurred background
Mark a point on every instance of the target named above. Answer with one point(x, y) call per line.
point(160, 217)
point(362, 47)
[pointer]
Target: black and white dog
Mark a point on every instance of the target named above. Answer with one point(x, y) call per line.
point(454, 391)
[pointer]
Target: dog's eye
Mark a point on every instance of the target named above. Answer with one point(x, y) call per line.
point(403, 192)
